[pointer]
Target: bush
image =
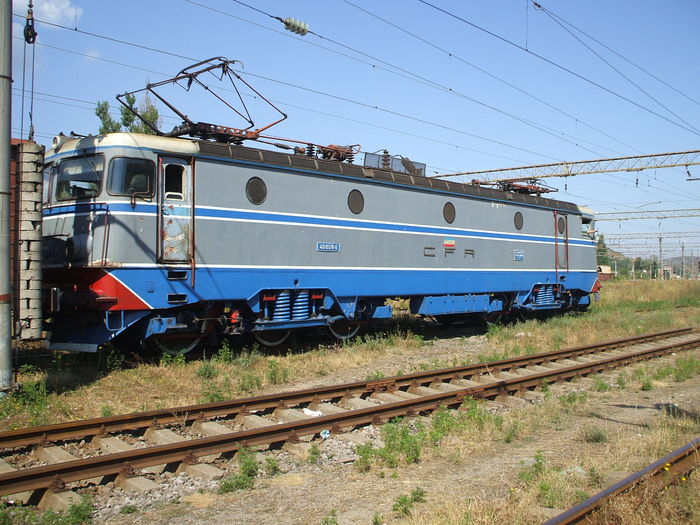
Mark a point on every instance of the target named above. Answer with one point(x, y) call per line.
point(594, 435)
point(234, 482)
point(207, 370)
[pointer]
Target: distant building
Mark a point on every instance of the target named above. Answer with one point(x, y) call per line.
point(605, 272)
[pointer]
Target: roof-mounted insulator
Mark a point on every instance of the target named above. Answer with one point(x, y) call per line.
point(296, 26)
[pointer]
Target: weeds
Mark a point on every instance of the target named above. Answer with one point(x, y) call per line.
point(402, 441)
point(276, 373)
point(128, 509)
point(106, 411)
point(685, 368)
point(249, 382)
point(212, 392)
point(234, 482)
point(32, 398)
point(570, 400)
point(111, 358)
point(207, 370)
point(621, 380)
point(373, 376)
point(249, 468)
point(331, 518)
point(511, 432)
point(529, 473)
point(314, 454)
point(224, 354)
point(600, 385)
point(404, 503)
point(271, 466)
point(76, 514)
point(247, 462)
point(594, 435)
point(177, 360)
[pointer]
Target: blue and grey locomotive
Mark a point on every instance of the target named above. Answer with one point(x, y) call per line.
point(166, 240)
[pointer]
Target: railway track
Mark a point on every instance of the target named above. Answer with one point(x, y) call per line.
point(661, 473)
point(291, 416)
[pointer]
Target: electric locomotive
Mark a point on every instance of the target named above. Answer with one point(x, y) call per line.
point(165, 241)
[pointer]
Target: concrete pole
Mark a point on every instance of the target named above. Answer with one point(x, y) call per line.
point(660, 275)
point(683, 259)
point(5, 122)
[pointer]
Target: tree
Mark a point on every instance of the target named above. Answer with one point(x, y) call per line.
point(107, 123)
point(602, 250)
point(129, 120)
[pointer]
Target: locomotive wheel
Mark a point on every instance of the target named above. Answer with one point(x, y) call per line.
point(344, 330)
point(272, 337)
point(176, 344)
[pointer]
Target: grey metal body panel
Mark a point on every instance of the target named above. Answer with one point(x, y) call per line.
point(401, 227)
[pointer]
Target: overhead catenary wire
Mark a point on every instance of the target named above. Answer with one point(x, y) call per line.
point(618, 71)
point(455, 56)
point(322, 93)
point(559, 66)
point(411, 75)
point(369, 124)
point(623, 182)
point(652, 75)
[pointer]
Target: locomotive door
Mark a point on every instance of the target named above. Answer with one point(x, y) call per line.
point(561, 244)
point(175, 223)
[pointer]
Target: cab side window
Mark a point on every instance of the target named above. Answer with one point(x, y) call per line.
point(174, 182)
point(131, 177)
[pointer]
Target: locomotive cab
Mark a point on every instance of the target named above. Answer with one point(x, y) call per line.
point(110, 211)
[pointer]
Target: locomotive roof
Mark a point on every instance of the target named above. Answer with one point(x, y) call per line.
point(199, 147)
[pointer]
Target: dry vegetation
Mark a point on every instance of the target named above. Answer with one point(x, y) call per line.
point(70, 387)
point(556, 481)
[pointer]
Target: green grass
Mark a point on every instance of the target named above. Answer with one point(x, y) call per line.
point(403, 442)
point(248, 468)
point(233, 483)
point(76, 514)
point(314, 454)
point(404, 503)
point(529, 473)
point(276, 373)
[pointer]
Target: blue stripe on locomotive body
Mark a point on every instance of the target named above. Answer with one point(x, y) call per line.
point(217, 283)
point(401, 244)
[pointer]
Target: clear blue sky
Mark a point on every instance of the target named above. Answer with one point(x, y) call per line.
point(388, 89)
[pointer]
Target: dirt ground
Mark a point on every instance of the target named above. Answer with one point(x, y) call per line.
point(336, 492)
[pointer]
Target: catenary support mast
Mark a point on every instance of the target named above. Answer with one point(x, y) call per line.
point(5, 118)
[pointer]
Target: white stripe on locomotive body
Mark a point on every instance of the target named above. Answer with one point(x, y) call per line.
point(136, 265)
point(465, 233)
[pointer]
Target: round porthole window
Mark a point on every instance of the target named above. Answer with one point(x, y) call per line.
point(448, 212)
point(256, 190)
point(518, 220)
point(561, 225)
point(356, 202)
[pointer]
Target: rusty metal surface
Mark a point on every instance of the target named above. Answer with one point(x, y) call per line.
point(190, 413)
point(661, 473)
point(40, 477)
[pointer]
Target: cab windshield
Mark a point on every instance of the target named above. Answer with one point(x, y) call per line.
point(79, 178)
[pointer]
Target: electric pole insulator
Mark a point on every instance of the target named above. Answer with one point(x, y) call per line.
point(296, 26)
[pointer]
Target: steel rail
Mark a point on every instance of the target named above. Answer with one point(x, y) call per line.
point(661, 473)
point(186, 414)
point(55, 476)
